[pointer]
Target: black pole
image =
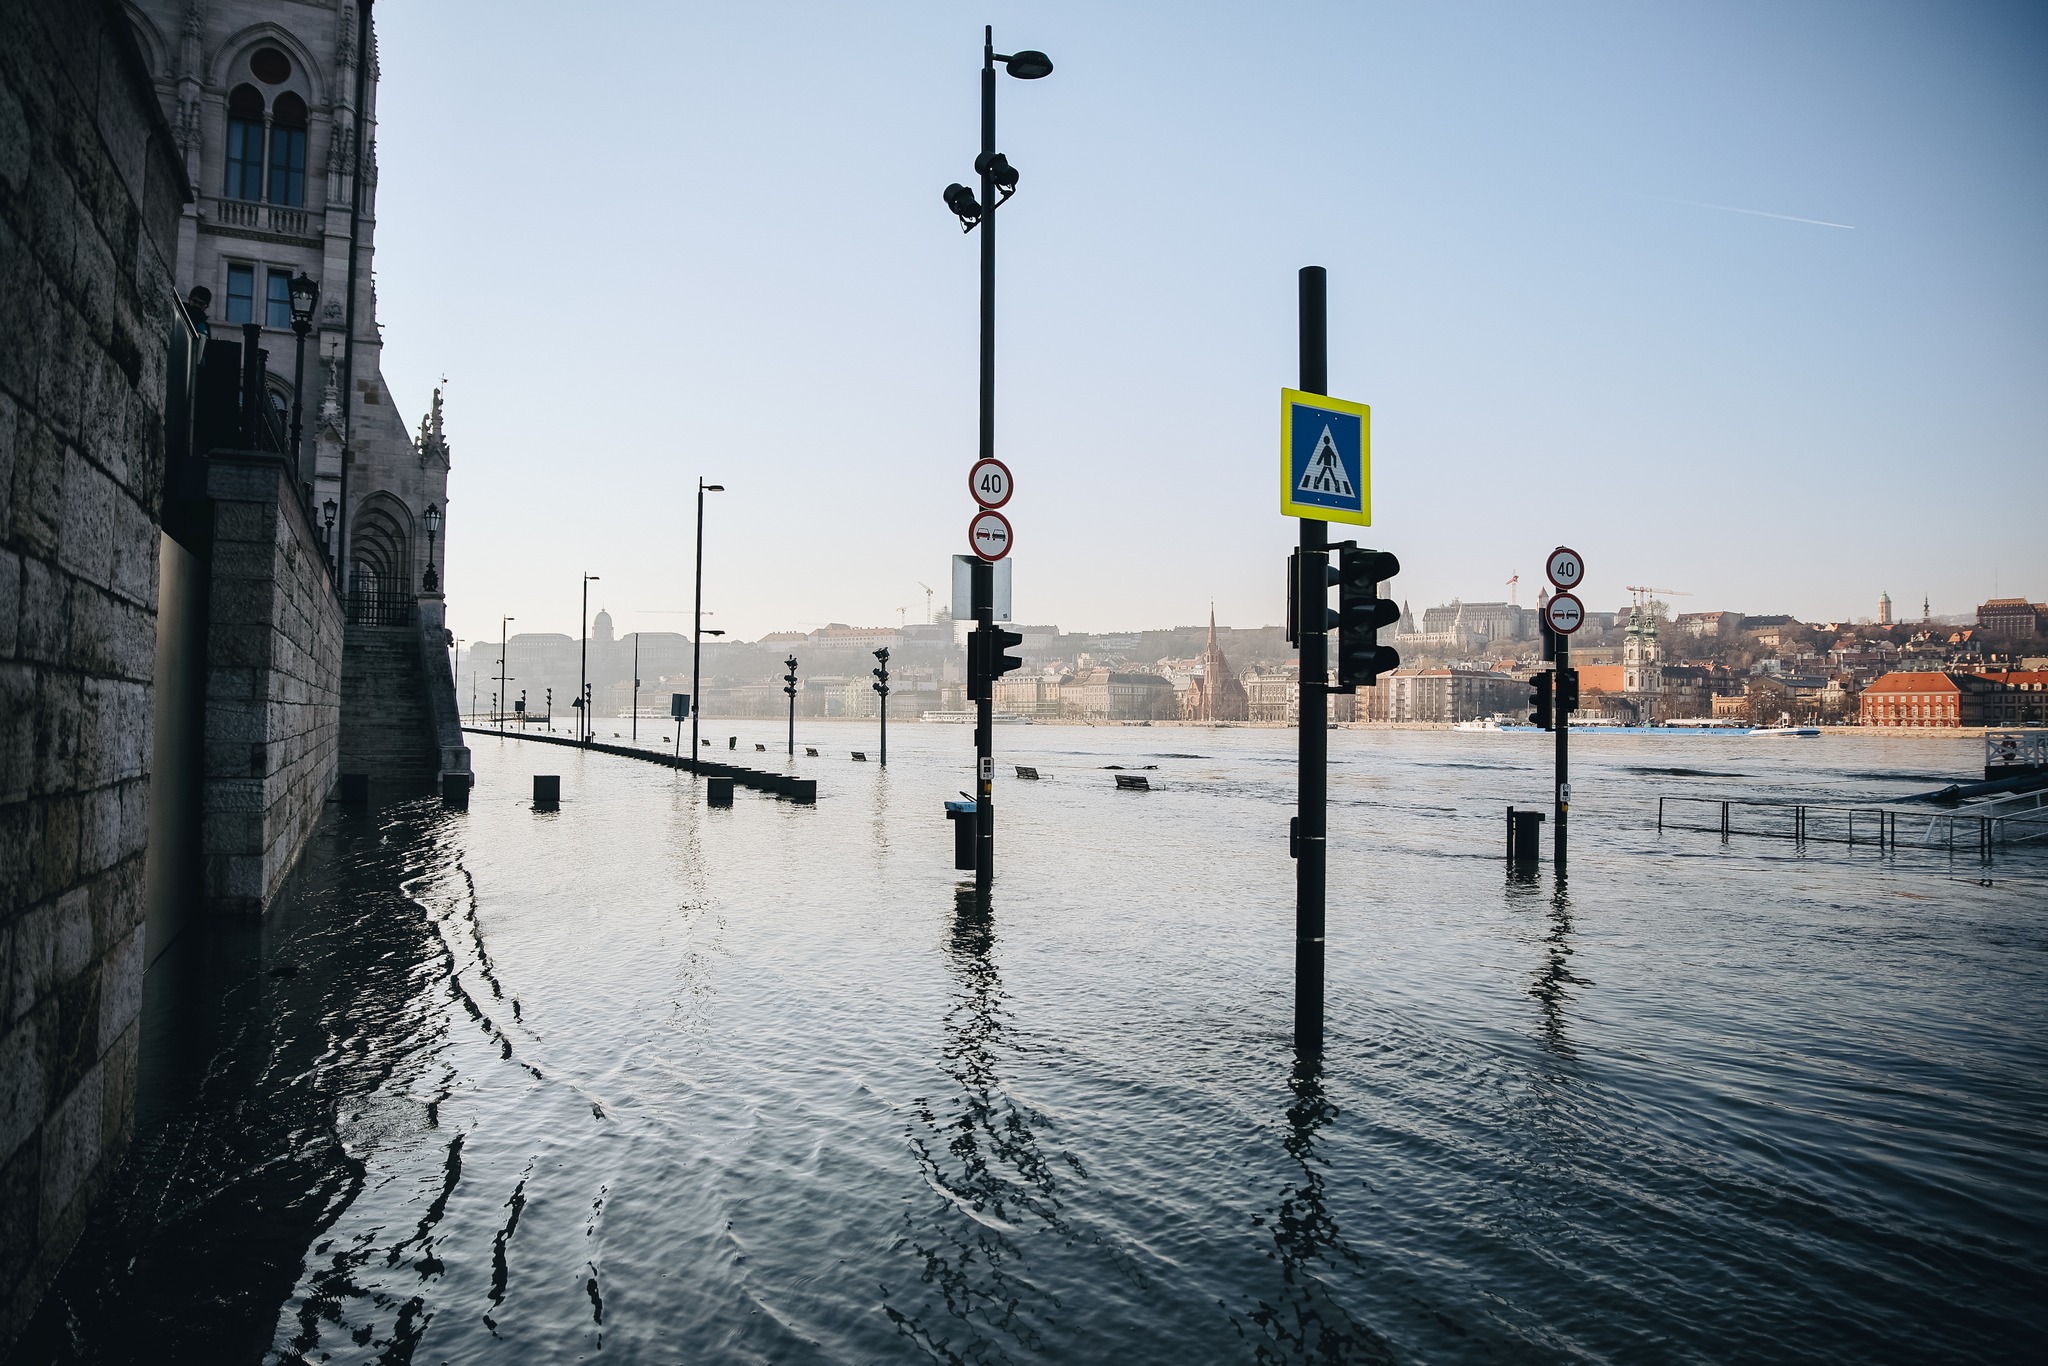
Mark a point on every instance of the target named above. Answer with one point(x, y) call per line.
point(982, 578)
point(355, 256)
point(299, 404)
point(1312, 595)
point(1561, 783)
point(583, 668)
point(789, 686)
point(502, 679)
point(696, 637)
point(636, 687)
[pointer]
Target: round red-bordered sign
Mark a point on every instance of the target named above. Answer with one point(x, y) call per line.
point(991, 483)
point(1565, 613)
point(989, 534)
point(1566, 568)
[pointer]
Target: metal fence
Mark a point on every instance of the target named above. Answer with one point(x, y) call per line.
point(1871, 826)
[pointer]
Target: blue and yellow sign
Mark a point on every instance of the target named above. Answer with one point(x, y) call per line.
point(1325, 458)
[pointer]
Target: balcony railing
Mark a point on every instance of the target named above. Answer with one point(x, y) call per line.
point(277, 218)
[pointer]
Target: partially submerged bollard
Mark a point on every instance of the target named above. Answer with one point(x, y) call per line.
point(718, 792)
point(961, 814)
point(547, 791)
point(1525, 837)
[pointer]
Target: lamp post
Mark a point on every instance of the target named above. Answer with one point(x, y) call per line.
point(636, 687)
point(502, 678)
point(697, 626)
point(458, 678)
point(881, 687)
point(305, 292)
point(328, 509)
point(585, 733)
point(789, 686)
point(998, 183)
point(431, 581)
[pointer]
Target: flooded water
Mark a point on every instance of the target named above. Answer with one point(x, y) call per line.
point(646, 1081)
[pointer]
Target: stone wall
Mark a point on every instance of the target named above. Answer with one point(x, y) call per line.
point(90, 193)
point(273, 682)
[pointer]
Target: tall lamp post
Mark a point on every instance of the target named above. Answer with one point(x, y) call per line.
point(636, 687)
point(789, 686)
point(458, 676)
point(305, 292)
point(431, 581)
point(503, 679)
point(583, 669)
point(998, 183)
point(328, 509)
point(697, 626)
point(881, 687)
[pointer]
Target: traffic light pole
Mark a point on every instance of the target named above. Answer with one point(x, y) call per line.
point(1311, 594)
point(1561, 783)
point(982, 601)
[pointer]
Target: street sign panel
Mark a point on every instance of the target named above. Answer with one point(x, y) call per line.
point(1325, 458)
point(963, 588)
point(679, 705)
point(1565, 568)
point(990, 483)
point(1564, 613)
point(988, 535)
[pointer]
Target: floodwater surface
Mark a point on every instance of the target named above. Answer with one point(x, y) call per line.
point(646, 1081)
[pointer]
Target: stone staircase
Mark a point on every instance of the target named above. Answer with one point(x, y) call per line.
point(387, 727)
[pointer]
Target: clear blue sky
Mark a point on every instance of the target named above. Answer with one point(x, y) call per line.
point(646, 241)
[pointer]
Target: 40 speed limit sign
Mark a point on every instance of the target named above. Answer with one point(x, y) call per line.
point(990, 483)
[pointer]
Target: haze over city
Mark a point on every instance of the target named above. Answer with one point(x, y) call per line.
point(1743, 300)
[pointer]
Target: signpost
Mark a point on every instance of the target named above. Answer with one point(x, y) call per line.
point(990, 483)
point(989, 535)
point(1563, 614)
point(1325, 458)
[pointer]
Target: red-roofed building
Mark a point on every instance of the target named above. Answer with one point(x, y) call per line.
point(1941, 700)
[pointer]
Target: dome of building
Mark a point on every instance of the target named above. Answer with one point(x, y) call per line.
point(601, 629)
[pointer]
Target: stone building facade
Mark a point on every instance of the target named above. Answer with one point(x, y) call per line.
point(90, 194)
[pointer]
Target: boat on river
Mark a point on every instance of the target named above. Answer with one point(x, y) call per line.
point(966, 718)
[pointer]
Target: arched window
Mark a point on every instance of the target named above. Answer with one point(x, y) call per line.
point(245, 144)
point(288, 150)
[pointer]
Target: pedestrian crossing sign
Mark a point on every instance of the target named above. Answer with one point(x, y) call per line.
point(1325, 458)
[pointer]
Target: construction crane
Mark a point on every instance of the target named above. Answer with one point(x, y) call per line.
point(927, 601)
point(1512, 581)
point(1643, 595)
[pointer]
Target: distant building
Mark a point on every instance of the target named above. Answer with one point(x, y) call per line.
point(1103, 695)
point(1274, 698)
point(1464, 627)
point(1884, 609)
point(1215, 694)
point(1642, 671)
point(1445, 696)
point(2012, 697)
point(2015, 617)
point(1697, 624)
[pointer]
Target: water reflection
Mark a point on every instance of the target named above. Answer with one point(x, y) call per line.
point(1553, 981)
point(979, 1152)
point(1304, 1322)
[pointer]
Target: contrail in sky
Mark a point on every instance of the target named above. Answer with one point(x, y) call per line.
point(1759, 213)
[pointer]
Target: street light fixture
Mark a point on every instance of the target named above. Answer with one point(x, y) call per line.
point(789, 686)
point(432, 580)
point(305, 295)
point(881, 687)
point(503, 679)
point(586, 733)
point(697, 627)
point(998, 183)
point(329, 508)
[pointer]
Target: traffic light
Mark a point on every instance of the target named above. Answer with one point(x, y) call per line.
point(1540, 717)
point(1567, 691)
point(1361, 612)
point(987, 660)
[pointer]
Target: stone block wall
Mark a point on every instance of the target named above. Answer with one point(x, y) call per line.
point(90, 192)
point(273, 684)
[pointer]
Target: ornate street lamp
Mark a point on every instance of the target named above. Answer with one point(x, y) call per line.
point(329, 508)
point(305, 295)
point(432, 581)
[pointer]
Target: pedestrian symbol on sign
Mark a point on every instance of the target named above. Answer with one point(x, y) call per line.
point(1325, 473)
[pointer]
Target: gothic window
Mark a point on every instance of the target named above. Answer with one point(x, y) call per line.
point(241, 294)
point(245, 144)
point(277, 300)
point(288, 150)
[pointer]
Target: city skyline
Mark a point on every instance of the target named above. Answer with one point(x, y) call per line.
point(1535, 279)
